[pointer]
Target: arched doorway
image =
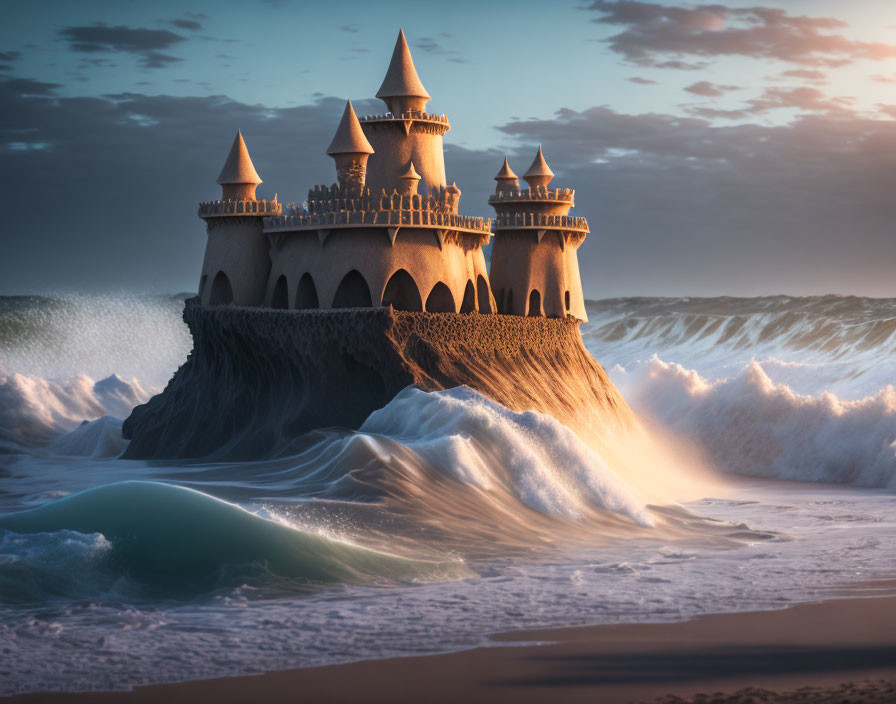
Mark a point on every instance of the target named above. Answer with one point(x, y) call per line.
point(468, 305)
point(306, 293)
point(402, 293)
point(222, 293)
point(482, 291)
point(534, 303)
point(440, 300)
point(280, 297)
point(353, 292)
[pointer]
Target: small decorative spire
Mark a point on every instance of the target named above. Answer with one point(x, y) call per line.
point(238, 168)
point(401, 79)
point(539, 174)
point(411, 174)
point(506, 173)
point(349, 137)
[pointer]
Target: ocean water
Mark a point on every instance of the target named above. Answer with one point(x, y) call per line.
point(445, 517)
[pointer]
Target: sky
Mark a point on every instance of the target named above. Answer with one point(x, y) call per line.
point(732, 148)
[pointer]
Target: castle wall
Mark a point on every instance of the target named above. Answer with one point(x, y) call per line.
point(237, 247)
point(394, 151)
point(520, 264)
point(370, 252)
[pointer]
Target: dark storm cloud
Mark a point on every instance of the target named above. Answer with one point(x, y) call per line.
point(653, 32)
point(115, 181)
point(679, 205)
point(708, 89)
point(8, 58)
point(145, 43)
point(106, 190)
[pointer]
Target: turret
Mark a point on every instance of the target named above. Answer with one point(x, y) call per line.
point(350, 150)
point(539, 174)
point(236, 264)
point(409, 181)
point(507, 180)
point(535, 267)
point(452, 197)
point(406, 132)
point(402, 89)
point(238, 178)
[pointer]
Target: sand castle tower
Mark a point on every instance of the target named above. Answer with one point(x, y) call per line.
point(535, 267)
point(406, 132)
point(236, 265)
point(388, 231)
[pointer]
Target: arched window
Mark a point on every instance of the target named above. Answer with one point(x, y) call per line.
point(402, 293)
point(508, 307)
point(306, 293)
point(222, 293)
point(353, 292)
point(202, 283)
point(482, 290)
point(534, 303)
point(566, 300)
point(280, 297)
point(468, 305)
point(440, 300)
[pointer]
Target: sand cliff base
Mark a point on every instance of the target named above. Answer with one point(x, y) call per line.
point(259, 377)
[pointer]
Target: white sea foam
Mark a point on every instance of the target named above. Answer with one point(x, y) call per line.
point(484, 444)
point(753, 426)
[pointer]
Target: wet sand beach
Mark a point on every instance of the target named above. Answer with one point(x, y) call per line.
point(843, 650)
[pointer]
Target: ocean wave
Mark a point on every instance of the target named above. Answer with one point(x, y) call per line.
point(843, 344)
point(749, 424)
point(35, 411)
point(175, 538)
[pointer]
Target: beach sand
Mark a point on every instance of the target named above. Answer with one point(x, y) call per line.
point(844, 649)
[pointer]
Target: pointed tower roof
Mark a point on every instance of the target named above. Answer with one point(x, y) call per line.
point(506, 173)
point(401, 78)
point(238, 168)
point(539, 167)
point(349, 137)
point(411, 174)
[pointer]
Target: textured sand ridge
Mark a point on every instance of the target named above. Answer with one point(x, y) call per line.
point(257, 377)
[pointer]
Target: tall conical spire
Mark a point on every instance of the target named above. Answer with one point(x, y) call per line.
point(401, 79)
point(539, 174)
point(349, 137)
point(238, 168)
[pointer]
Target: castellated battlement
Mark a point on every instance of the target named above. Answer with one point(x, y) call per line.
point(539, 193)
point(539, 221)
point(408, 115)
point(337, 198)
point(394, 218)
point(221, 208)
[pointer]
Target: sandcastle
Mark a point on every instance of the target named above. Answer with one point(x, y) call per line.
point(388, 232)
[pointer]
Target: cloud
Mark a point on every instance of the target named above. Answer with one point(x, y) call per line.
point(804, 98)
point(431, 46)
point(146, 43)
point(878, 78)
point(350, 28)
point(653, 33)
point(806, 74)
point(188, 24)
point(641, 81)
point(709, 90)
